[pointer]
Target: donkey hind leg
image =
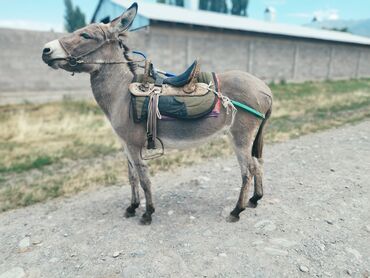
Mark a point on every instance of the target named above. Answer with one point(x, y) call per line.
point(135, 195)
point(245, 162)
point(258, 186)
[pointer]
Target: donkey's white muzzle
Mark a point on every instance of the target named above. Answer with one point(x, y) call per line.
point(53, 54)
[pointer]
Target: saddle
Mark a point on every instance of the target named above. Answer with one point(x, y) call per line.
point(154, 95)
point(184, 84)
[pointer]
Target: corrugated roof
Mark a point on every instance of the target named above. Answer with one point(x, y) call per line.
point(168, 13)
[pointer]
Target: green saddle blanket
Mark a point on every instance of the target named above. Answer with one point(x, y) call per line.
point(185, 108)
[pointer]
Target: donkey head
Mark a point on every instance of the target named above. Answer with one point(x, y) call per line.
point(86, 49)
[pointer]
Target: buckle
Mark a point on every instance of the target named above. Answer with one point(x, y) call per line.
point(73, 61)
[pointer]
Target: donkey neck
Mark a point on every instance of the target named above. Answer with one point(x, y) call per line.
point(110, 88)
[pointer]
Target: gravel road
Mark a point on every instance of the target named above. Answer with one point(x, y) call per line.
point(314, 220)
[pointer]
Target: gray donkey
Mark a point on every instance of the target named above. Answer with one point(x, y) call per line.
point(97, 49)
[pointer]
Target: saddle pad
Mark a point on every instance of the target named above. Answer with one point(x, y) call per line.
point(185, 108)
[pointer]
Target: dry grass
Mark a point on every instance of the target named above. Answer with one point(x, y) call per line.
point(56, 149)
point(35, 135)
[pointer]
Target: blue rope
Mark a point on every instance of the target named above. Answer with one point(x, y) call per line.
point(165, 73)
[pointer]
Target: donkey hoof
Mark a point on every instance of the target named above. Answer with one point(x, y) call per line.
point(129, 214)
point(252, 204)
point(253, 201)
point(130, 211)
point(146, 219)
point(232, 218)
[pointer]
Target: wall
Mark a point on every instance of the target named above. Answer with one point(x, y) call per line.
point(269, 58)
point(173, 48)
point(21, 67)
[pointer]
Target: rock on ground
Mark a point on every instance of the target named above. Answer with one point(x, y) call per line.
point(312, 221)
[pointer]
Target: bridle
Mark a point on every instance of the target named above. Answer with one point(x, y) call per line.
point(75, 61)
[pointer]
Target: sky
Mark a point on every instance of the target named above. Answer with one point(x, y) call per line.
point(48, 14)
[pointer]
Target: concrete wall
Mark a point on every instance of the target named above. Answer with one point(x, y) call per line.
point(21, 67)
point(173, 48)
point(269, 58)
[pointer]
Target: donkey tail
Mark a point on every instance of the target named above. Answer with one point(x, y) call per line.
point(258, 141)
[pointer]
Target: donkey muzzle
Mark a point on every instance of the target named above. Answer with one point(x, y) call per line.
point(53, 51)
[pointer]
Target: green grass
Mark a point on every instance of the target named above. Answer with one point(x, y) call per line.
point(56, 149)
point(29, 164)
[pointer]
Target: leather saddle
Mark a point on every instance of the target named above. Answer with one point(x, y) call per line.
point(184, 84)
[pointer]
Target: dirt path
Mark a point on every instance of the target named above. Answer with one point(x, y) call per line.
point(314, 220)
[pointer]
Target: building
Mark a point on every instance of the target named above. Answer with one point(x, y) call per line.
point(175, 36)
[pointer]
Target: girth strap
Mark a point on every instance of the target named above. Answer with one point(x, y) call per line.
point(153, 114)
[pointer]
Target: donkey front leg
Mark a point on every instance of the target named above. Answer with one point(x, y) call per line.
point(135, 195)
point(143, 175)
point(145, 183)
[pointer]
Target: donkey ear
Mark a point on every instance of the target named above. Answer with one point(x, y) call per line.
point(123, 22)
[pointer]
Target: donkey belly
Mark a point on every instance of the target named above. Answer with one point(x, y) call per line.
point(186, 134)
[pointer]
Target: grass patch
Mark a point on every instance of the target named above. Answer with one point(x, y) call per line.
point(36, 163)
point(56, 149)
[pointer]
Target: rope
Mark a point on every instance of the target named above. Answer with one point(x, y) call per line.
point(226, 103)
point(109, 62)
point(153, 114)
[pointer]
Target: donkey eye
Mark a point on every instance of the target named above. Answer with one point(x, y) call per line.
point(85, 36)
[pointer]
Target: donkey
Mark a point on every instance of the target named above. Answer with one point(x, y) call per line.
point(97, 49)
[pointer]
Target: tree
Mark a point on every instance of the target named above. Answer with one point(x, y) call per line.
point(203, 5)
point(74, 18)
point(180, 3)
point(244, 7)
point(240, 7)
point(344, 29)
point(236, 8)
point(218, 6)
point(176, 2)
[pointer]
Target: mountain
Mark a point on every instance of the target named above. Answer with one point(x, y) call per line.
point(356, 27)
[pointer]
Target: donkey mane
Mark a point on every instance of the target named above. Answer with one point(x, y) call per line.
point(132, 65)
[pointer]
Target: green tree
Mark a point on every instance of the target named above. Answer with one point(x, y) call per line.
point(219, 6)
point(244, 7)
point(344, 29)
point(176, 2)
point(180, 3)
point(203, 5)
point(74, 18)
point(240, 7)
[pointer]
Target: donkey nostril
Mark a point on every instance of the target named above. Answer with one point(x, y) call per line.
point(47, 51)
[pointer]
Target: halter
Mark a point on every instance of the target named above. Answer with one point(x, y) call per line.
point(74, 61)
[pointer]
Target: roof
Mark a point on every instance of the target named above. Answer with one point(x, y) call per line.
point(174, 14)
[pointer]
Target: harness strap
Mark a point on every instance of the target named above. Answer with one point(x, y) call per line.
point(153, 114)
point(74, 61)
point(248, 109)
point(230, 104)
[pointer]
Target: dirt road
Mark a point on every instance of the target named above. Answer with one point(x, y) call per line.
point(314, 220)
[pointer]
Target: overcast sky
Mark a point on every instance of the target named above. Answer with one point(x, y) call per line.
point(48, 14)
